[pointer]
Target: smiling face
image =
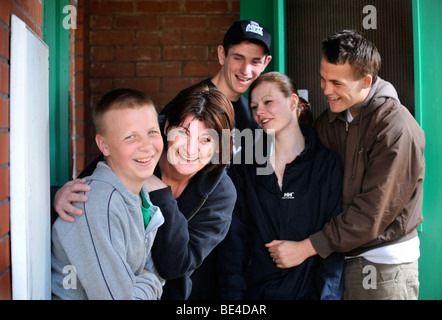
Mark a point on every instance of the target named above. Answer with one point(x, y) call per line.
point(340, 86)
point(132, 143)
point(241, 66)
point(191, 146)
point(271, 109)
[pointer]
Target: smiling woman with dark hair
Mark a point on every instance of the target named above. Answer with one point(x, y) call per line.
point(194, 193)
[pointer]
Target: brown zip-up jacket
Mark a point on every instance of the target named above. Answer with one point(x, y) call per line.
point(382, 152)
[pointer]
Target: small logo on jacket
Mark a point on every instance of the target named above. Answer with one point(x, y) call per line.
point(288, 195)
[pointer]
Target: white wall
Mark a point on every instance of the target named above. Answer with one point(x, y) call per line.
point(29, 164)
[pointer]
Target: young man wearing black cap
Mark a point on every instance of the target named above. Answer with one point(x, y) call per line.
point(243, 56)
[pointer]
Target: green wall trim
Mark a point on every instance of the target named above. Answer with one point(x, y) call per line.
point(57, 38)
point(271, 14)
point(279, 34)
point(427, 29)
point(417, 62)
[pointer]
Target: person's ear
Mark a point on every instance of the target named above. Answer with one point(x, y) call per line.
point(368, 79)
point(101, 144)
point(294, 101)
point(221, 55)
point(166, 125)
point(267, 61)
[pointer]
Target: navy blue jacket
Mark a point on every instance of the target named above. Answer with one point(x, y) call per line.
point(310, 197)
point(195, 223)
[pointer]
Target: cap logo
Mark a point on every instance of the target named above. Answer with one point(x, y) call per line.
point(254, 27)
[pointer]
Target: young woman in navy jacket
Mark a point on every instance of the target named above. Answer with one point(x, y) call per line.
point(286, 198)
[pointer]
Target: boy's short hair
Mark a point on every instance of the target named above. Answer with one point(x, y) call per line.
point(351, 46)
point(121, 98)
point(247, 30)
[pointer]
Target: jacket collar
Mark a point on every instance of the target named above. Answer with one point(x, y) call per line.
point(380, 91)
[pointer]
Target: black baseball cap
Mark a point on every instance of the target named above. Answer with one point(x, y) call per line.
point(247, 30)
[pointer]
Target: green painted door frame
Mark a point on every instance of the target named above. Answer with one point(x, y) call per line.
point(427, 30)
point(270, 14)
point(57, 39)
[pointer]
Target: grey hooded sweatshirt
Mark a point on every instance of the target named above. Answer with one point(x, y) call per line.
point(102, 254)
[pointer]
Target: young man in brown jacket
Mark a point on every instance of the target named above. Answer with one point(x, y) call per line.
point(381, 147)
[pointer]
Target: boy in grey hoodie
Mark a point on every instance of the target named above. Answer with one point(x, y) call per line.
point(106, 253)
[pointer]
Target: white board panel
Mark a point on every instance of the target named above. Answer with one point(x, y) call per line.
point(29, 164)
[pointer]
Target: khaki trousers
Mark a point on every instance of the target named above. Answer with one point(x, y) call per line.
point(365, 280)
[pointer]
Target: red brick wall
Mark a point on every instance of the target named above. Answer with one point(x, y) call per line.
point(29, 11)
point(78, 87)
point(159, 47)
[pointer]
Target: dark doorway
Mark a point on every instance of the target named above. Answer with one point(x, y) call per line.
point(309, 22)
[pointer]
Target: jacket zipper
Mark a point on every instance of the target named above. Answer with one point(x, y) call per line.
point(204, 201)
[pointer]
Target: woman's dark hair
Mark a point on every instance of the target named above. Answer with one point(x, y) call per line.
point(351, 46)
point(210, 106)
